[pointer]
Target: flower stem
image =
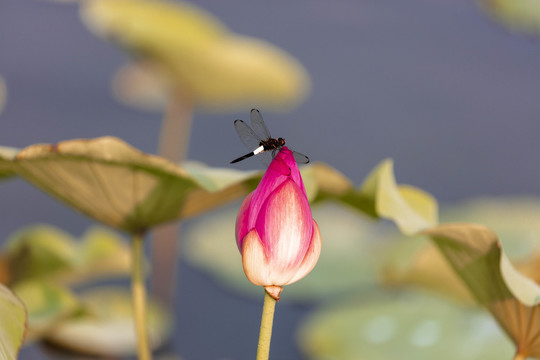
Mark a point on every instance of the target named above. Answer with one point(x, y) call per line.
point(265, 334)
point(176, 127)
point(173, 145)
point(138, 291)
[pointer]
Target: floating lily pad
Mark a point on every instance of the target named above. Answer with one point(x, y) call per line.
point(106, 327)
point(350, 258)
point(12, 325)
point(402, 326)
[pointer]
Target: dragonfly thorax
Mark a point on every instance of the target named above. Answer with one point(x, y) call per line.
point(272, 144)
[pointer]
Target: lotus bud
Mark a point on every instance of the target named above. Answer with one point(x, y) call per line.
point(279, 241)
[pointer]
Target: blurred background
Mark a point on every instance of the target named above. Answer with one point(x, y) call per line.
point(436, 85)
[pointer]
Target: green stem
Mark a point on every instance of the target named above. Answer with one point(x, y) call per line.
point(173, 145)
point(265, 335)
point(138, 291)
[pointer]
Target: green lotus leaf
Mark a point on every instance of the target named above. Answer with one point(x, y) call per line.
point(324, 183)
point(379, 196)
point(215, 179)
point(48, 253)
point(351, 258)
point(114, 183)
point(13, 324)
point(106, 328)
point(410, 208)
point(221, 185)
point(514, 219)
point(195, 55)
point(39, 251)
point(47, 305)
point(475, 253)
point(401, 326)
point(517, 15)
point(102, 253)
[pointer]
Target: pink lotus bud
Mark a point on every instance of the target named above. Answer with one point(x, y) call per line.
point(275, 232)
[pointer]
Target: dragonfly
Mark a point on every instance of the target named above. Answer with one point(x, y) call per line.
point(258, 137)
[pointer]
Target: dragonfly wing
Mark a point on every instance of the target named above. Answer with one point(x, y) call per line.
point(266, 157)
point(300, 158)
point(248, 137)
point(258, 124)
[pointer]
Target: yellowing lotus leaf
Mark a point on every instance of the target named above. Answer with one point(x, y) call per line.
point(324, 182)
point(240, 71)
point(193, 54)
point(523, 288)
point(151, 28)
point(114, 183)
point(412, 209)
point(328, 179)
point(12, 325)
point(519, 15)
point(476, 255)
